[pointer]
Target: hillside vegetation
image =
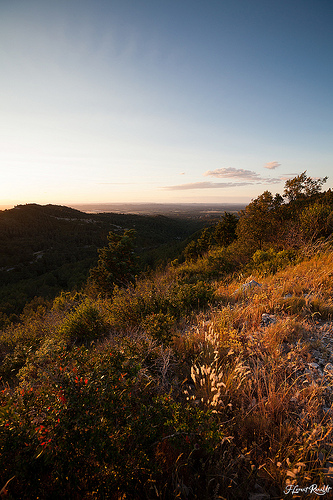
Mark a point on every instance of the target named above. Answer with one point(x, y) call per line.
point(50, 248)
point(208, 379)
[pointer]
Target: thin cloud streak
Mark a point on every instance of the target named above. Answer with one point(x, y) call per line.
point(205, 185)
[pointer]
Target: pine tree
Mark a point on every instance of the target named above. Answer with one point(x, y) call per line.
point(117, 263)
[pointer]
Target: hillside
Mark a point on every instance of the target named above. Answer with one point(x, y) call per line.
point(241, 383)
point(46, 249)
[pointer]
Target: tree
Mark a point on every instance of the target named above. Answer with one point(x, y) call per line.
point(302, 187)
point(260, 222)
point(199, 245)
point(308, 210)
point(225, 230)
point(117, 263)
point(315, 221)
point(270, 221)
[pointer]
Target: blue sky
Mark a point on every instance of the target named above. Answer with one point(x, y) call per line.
point(163, 101)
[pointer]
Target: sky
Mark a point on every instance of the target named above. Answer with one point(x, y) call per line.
point(168, 101)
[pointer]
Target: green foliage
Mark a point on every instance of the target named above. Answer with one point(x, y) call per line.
point(225, 230)
point(223, 233)
point(18, 341)
point(185, 297)
point(160, 301)
point(302, 186)
point(191, 251)
point(199, 245)
point(315, 221)
point(270, 261)
point(260, 222)
point(85, 323)
point(268, 221)
point(117, 263)
point(160, 326)
point(66, 301)
point(90, 423)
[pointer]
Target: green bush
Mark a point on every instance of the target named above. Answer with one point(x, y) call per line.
point(130, 307)
point(183, 298)
point(159, 301)
point(160, 326)
point(117, 263)
point(84, 323)
point(67, 301)
point(270, 261)
point(87, 423)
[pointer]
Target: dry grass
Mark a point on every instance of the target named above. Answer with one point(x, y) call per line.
point(264, 381)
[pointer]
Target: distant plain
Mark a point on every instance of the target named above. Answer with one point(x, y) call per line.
point(168, 209)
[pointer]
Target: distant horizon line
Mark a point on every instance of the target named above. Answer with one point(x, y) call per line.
point(170, 209)
point(215, 203)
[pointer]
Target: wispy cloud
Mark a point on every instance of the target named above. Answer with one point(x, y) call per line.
point(206, 185)
point(271, 165)
point(234, 173)
point(240, 173)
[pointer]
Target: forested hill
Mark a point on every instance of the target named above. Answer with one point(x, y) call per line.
point(29, 228)
point(47, 248)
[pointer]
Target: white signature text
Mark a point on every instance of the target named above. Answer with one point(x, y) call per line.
point(314, 488)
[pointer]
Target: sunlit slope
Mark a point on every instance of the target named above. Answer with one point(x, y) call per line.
point(181, 376)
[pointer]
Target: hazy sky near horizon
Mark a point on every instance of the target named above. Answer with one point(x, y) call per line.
point(163, 101)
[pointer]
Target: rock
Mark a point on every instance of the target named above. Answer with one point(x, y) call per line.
point(247, 287)
point(251, 284)
point(267, 319)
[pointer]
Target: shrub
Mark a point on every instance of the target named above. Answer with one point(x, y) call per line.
point(84, 323)
point(184, 297)
point(160, 326)
point(270, 261)
point(88, 423)
point(157, 302)
point(67, 301)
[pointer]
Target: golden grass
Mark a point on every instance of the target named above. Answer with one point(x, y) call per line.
point(259, 378)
